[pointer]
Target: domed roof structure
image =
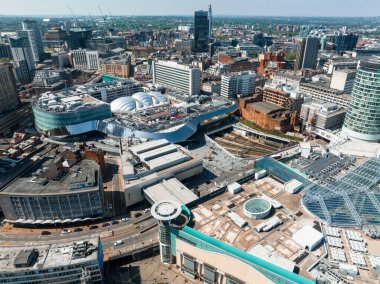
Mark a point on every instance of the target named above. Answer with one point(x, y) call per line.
point(138, 101)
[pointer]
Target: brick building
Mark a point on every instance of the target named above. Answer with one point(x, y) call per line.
point(271, 61)
point(236, 64)
point(268, 115)
point(281, 98)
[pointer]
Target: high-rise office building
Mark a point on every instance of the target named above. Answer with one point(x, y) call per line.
point(363, 115)
point(261, 40)
point(201, 31)
point(345, 42)
point(33, 32)
point(304, 31)
point(23, 59)
point(242, 83)
point(307, 53)
point(5, 50)
point(86, 59)
point(8, 91)
point(78, 37)
point(209, 21)
point(183, 78)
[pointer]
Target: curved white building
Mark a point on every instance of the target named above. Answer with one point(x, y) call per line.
point(138, 101)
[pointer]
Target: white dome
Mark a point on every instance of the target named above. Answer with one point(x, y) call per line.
point(122, 105)
point(138, 101)
point(144, 98)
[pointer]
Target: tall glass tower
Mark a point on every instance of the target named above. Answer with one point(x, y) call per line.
point(201, 31)
point(363, 115)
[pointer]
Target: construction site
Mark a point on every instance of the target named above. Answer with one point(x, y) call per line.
point(244, 144)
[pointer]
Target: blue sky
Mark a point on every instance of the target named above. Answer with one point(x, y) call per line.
point(186, 7)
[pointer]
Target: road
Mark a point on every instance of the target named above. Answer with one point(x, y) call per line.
point(135, 234)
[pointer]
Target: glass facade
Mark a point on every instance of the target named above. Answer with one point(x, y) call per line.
point(76, 205)
point(201, 31)
point(178, 135)
point(45, 120)
point(363, 115)
point(351, 201)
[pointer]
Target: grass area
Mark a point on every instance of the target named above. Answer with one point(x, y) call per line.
point(254, 126)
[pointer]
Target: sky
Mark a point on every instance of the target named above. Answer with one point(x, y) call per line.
point(327, 8)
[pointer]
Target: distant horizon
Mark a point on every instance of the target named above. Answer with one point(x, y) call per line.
point(240, 8)
point(180, 15)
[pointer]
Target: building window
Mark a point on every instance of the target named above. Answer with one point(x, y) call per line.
point(209, 274)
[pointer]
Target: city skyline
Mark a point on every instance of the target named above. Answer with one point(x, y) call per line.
point(287, 8)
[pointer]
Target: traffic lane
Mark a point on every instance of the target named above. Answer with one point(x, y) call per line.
point(57, 235)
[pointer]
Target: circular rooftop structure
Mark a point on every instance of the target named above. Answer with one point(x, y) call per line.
point(166, 210)
point(138, 101)
point(257, 208)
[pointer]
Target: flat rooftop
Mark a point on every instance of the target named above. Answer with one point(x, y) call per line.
point(33, 181)
point(61, 102)
point(265, 107)
point(52, 255)
point(170, 189)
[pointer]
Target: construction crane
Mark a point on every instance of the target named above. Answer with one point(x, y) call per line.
point(104, 17)
point(92, 20)
point(75, 17)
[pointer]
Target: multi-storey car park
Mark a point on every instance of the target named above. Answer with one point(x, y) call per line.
point(67, 262)
point(111, 90)
point(323, 92)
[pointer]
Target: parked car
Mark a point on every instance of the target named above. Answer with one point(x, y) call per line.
point(118, 243)
point(45, 233)
point(78, 230)
point(93, 227)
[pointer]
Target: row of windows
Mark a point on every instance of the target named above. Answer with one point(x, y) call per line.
point(73, 206)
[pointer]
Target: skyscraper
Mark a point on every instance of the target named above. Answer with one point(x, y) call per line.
point(8, 91)
point(78, 37)
point(363, 115)
point(209, 22)
point(307, 53)
point(32, 31)
point(5, 50)
point(23, 59)
point(201, 31)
